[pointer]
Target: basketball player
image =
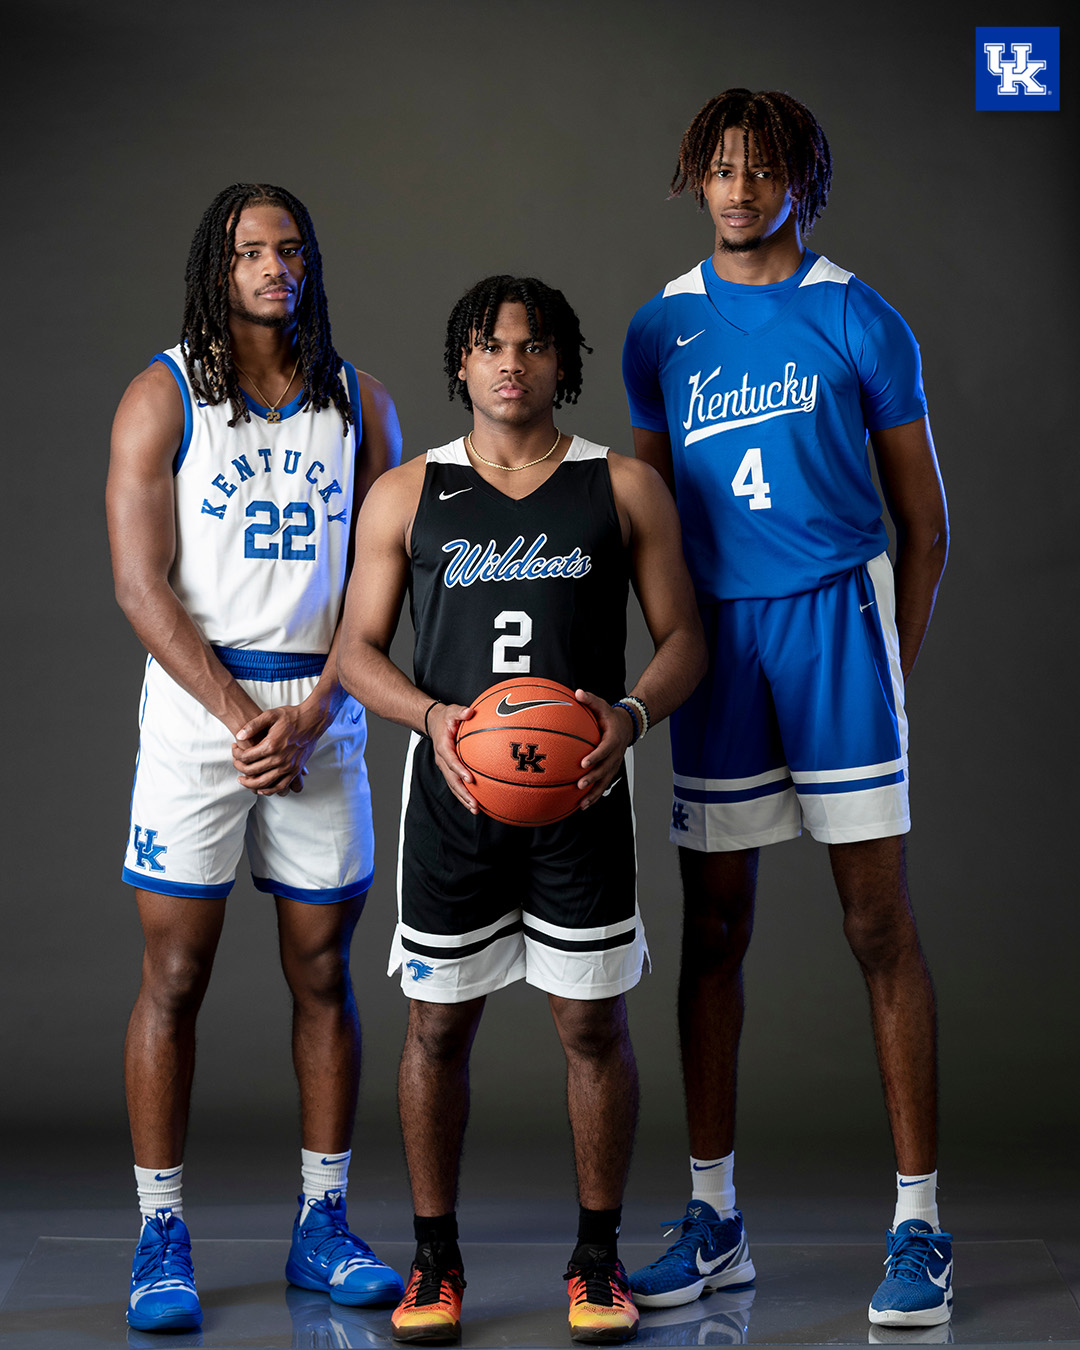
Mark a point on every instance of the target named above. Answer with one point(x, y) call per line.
point(754, 380)
point(238, 460)
point(517, 545)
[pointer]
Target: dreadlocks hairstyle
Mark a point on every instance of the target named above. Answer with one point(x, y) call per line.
point(787, 133)
point(473, 320)
point(205, 334)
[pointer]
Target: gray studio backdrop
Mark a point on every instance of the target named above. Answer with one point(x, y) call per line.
point(436, 143)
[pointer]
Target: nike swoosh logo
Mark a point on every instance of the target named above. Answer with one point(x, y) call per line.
point(167, 1176)
point(920, 1180)
point(710, 1267)
point(203, 405)
point(705, 1167)
point(613, 786)
point(942, 1282)
point(507, 709)
point(861, 608)
point(332, 1162)
point(683, 342)
point(445, 496)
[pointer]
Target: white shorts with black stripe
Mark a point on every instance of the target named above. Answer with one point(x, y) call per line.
point(482, 904)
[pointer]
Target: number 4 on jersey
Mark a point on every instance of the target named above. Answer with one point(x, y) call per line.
point(749, 481)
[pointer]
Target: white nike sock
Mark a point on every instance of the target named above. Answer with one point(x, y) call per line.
point(322, 1172)
point(710, 1180)
point(916, 1198)
point(160, 1188)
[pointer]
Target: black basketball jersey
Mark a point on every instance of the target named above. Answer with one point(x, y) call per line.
point(533, 587)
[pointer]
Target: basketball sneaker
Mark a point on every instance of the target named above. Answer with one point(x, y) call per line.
point(327, 1257)
point(709, 1253)
point(917, 1288)
point(601, 1310)
point(430, 1312)
point(163, 1296)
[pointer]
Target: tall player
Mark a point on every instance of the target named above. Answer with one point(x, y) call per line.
point(483, 904)
point(238, 460)
point(754, 381)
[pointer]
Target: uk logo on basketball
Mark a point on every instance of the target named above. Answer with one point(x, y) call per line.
point(1018, 69)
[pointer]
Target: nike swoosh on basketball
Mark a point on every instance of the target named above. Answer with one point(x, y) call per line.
point(445, 496)
point(684, 342)
point(507, 709)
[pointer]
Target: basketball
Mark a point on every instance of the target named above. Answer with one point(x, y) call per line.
point(524, 746)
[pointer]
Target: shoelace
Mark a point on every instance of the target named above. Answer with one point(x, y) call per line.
point(695, 1233)
point(596, 1282)
point(429, 1288)
point(172, 1260)
point(331, 1241)
point(907, 1260)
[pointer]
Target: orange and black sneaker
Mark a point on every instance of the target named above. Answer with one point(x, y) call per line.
point(601, 1309)
point(430, 1312)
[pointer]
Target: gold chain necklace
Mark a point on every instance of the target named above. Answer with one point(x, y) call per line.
point(511, 468)
point(272, 414)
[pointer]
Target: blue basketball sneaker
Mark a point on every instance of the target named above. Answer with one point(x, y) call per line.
point(710, 1253)
point(327, 1257)
point(163, 1296)
point(917, 1288)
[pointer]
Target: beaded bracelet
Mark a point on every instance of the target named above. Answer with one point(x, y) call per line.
point(643, 711)
point(635, 718)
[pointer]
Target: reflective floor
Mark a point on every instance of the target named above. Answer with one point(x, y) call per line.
point(70, 1295)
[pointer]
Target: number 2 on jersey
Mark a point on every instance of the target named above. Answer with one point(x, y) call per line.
point(501, 663)
point(749, 481)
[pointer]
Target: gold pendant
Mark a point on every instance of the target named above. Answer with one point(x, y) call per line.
point(273, 415)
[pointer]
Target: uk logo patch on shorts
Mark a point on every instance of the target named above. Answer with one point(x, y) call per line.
point(1017, 69)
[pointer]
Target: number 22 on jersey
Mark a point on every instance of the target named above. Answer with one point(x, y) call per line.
point(749, 481)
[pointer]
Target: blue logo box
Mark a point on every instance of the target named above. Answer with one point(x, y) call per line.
point(1017, 69)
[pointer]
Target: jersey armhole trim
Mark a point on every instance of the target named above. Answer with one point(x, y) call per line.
point(353, 385)
point(185, 393)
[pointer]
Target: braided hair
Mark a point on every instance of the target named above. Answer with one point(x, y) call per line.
point(472, 322)
point(205, 337)
point(787, 135)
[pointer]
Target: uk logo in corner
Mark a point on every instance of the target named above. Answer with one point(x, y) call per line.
point(1017, 69)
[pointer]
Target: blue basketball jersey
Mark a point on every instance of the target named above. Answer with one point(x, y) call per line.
point(767, 394)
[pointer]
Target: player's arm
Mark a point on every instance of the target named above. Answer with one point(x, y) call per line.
point(666, 595)
point(911, 481)
point(281, 738)
point(373, 603)
point(147, 432)
point(654, 448)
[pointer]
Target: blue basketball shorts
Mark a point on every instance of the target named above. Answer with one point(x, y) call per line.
point(482, 903)
point(191, 819)
point(799, 720)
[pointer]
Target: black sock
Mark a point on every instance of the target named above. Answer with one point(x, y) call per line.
point(597, 1237)
point(441, 1234)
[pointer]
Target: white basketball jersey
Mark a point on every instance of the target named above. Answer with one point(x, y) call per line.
point(263, 513)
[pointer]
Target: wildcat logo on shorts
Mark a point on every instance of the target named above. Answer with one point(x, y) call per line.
point(148, 850)
point(420, 969)
point(1017, 69)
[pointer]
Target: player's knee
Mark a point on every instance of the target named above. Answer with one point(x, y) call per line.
point(320, 979)
point(716, 935)
point(441, 1033)
point(176, 981)
point(591, 1030)
point(880, 939)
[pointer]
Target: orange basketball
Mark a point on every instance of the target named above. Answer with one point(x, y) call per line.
point(524, 746)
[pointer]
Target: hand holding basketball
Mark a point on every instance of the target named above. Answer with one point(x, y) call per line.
point(443, 724)
point(524, 747)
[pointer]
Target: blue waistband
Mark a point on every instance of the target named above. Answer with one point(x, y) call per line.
point(244, 663)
